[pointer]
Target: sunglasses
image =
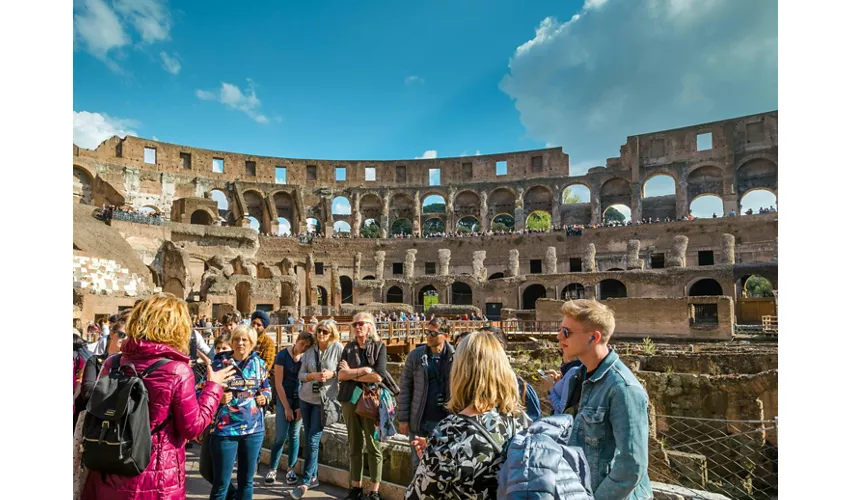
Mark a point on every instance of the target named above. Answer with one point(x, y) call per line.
point(323, 332)
point(567, 332)
point(121, 335)
point(434, 333)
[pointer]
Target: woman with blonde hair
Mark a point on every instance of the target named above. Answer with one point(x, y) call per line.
point(362, 368)
point(319, 384)
point(462, 457)
point(239, 427)
point(158, 329)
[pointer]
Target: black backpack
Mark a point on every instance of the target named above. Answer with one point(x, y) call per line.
point(117, 430)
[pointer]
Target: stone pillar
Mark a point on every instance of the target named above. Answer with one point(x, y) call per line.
point(385, 216)
point(357, 258)
point(519, 217)
point(327, 208)
point(379, 265)
point(445, 257)
point(682, 208)
point(513, 263)
point(409, 263)
point(730, 203)
point(356, 216)
point(588, 262)
point(637, 201)
point(595, 205)
point(451, 224)
point(678, 252)
point(272, 224)
point(728, 241)
point(336, 287)
point(590, 292)
point(550, 263)
point(478, 270)
point(633, 260)
point(483, 212)
point(556, 207)
point(309, 268)
point(417, 214)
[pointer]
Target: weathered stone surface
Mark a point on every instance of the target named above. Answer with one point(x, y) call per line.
point(358, 257)
point(633, 260)
point(550, 263)
point(513, 263)
point(445, 256)
point(727, 249)
point(588, 263)
point(409, 263)
point(379, 265)
point(678, 253)
point(479, 272)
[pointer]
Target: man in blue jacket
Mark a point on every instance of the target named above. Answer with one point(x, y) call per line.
point(612, 423)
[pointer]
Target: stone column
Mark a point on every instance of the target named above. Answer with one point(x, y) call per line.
point(550, 263)
point(588, 262)
point(273, 225)
point(513, 263)
point(327, 208)
point(728, 242)
point(357, 258)
point(385, 215)
point(633, 260)
point(309, 268)
point(730, 203)
point(379, 265)
point(590, 292)
point(445, 257)
point(417, 214)
point(478, 270)
point(556, 207)
point(595, 205)
point(451, 224)
point(678, 252)
point(409, 263)
point(483, 212)
point(336, 287)
point(637, 201)
point(682, 208)
point(356, 216)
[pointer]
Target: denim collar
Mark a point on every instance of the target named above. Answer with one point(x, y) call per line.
point(604, 366)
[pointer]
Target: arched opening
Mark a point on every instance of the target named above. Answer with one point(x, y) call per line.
point(434, 204)
point(659, 185)
point(368, 277)
point(402, 226)
point(370, 229)
point(148, 210)
point(313, 226)
point(243, 297)
point(461, 294)
point(756, 286)
point(347, 289)
point(253, 223)
point(539, 221)
point(531, 294)
point(616, 191)
point(254, 207)
point(285, 206)
point(174, 286)
point(467, 224)
point(758, 201)
point(395, 295)
point(572, 291)
point(617, 214)
point(342, 227)
point(467, 202)
point(201, 217)
point(427, 290)
point(83, 185)
point(434, 225)
point(705, 287)
point(402, 207)
point(611, 289)
point(341, 206)
point(496, 276)
point(707, 206)
point(370, 207)
point(323, 295)
point(502, 222)
point(758, 173)
point(707, 179)
point(502, 200)
point(574, 194)
point(284, 228)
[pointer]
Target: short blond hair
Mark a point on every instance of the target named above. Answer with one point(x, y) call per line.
point(366, 316)
point(162, 318)
point(246, 330)
point(481, 376)
point(330, 326)
point(591, 314)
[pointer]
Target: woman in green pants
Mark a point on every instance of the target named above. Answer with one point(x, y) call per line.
point(363, 360)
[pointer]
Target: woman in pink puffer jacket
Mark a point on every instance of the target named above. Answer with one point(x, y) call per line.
point(158, 328)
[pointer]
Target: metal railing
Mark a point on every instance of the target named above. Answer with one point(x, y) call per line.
point(770, 325)
point(735, 458)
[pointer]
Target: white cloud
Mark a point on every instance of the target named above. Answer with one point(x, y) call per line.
point(410, 80)
point(90, 129)
point(103, 31)
point(233, 98)
point(341, 206)
point(171, 64)
point(672, 63)
point(430, 154)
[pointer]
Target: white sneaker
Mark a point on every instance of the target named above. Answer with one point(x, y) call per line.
point(291, 478)
point(271, 476)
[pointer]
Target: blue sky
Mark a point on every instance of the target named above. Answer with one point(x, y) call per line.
point(380, 80)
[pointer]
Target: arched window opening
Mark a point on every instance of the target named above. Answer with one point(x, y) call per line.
point(313, 226)
point(347, 289)
point(370, 229)
point(284, 228)
point(341, 206)
point(611, 289)
point(572, 291)
point(617, 214)
point(434, 225)
point(758, 201)
point(539, 221)
point(434, 204)
point(467, 224)
point(427, 290)
point(531, 294)
point(756, 286)
point(705, 287)
point(707, 206)
point(496, 276)
point(461, 294)
point(323, 295)
point(200, 217)
point(395, 295)
point(574, 194)
point(402, 226)
point(342, 227)
point(254, 223)
point(502, 222)
point(659, 185)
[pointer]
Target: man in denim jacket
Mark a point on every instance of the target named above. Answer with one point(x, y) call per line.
point(612, 424)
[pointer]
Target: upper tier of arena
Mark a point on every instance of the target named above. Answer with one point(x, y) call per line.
point(740, 156)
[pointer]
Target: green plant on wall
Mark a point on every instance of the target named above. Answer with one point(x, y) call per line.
point(648, 346)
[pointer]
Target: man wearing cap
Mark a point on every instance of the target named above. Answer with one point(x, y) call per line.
point(424, 388)
point(265, 347)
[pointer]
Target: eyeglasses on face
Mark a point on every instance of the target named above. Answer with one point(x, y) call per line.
point(567, 332)
point(360, 323)
point(322, 331)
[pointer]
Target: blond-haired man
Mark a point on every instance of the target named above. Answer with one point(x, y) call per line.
point(611, 425)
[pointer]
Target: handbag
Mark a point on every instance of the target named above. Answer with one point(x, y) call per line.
point(369, 405)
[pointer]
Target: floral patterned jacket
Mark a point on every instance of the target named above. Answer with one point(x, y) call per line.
point(459, 463)
point(241, 416)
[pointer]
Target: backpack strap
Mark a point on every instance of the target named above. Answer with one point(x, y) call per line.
point(524, 389)
point(483, 431)
point(153, 367)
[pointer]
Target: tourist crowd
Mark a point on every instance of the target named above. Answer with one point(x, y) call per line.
point(107, 213)
point(475, 427)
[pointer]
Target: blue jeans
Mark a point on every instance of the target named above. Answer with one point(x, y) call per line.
point(224, 451)
point(284, 431)
point(312, 416)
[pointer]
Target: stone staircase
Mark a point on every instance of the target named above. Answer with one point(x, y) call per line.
point(104, 276)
